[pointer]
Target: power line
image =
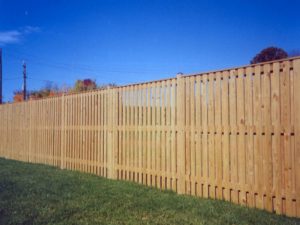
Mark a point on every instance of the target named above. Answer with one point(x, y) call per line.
point(62, 65)
point(83, 66)
point(12, 78)
point(31, 78)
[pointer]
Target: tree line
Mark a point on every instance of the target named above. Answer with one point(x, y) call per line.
point(50, 90)
point(265, 55)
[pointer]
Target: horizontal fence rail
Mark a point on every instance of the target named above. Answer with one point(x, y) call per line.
point(232, 134)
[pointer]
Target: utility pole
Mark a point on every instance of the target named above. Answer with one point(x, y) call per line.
point(24, 81)
point(0, 75)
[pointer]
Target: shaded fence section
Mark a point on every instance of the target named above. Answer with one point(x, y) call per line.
point(231, 134)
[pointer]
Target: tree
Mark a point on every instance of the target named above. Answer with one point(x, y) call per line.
point(104, 86)
point(43, 93)
point(49, 90)
point(269, 54)
point(52, 90)
point(18, 96)
point(85, 85)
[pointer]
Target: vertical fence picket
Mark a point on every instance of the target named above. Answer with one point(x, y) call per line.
point(231, 134)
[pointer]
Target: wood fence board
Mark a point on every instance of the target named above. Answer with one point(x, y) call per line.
point(230, 134)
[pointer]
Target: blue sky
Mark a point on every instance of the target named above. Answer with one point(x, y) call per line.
point(133, 41)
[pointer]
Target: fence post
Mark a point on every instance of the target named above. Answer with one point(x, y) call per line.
point(30, 131)
point(62, 133)
point(181, 133)
point(297, 131)
point(112, 133)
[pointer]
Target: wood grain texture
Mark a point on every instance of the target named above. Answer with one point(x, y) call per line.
point(231, 134)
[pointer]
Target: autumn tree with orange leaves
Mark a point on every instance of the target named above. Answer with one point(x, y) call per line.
point(52, 90)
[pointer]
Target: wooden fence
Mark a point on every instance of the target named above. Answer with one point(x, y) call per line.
point(232, 134)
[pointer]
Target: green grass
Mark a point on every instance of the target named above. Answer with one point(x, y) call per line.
point(38, 194)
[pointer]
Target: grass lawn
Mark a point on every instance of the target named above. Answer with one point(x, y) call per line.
point(38, 194)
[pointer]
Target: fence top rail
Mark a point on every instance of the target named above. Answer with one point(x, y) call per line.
point(211, 71)
point(243, 67)
point(157, 81)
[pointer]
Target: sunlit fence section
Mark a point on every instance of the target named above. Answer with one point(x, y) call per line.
point(232, 134)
